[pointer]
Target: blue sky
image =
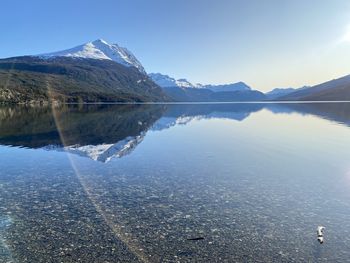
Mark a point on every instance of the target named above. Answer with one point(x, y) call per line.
point(266, 43)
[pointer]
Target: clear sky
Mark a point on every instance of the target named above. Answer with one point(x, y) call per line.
point(264, 43)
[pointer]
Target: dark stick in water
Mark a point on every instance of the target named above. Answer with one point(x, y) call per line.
point(195, 238)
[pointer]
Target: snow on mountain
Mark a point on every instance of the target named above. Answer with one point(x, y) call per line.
point(100, 49)
point(239, 86)
point(184, 83)
point(165, 81)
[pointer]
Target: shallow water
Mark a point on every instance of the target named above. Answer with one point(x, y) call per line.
point(239, 182)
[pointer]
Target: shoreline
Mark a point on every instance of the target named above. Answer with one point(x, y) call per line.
point(57, 103)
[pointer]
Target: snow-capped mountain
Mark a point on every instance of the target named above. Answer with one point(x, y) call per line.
point(100, 49)
point(165, 81)
point(239, 86)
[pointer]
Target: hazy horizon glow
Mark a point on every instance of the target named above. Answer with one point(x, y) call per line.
point(266, 44)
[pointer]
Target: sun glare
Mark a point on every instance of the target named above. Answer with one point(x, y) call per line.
point(346, 36)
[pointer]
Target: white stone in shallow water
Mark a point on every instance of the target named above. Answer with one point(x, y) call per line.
point(320, 233)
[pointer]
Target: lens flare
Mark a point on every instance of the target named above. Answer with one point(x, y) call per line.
point(346, 37)
point(116, 229)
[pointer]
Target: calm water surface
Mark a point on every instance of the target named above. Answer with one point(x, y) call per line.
point(175, 183)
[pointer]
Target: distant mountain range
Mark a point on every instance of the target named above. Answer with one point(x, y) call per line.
point(165, 81)
point(206, 95)
point(101, 72)
point(183, 90)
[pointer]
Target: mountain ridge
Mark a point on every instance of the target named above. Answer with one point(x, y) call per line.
point(183, 90)
point(332, 90)
point(165, 81)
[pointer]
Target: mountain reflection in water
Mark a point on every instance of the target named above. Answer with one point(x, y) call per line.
point(240, 182)
point(103, 132)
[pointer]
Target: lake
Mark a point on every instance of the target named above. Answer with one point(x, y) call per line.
point(240, 182)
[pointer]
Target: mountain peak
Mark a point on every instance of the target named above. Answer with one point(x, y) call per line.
point(100, 40)
point(100, 49)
